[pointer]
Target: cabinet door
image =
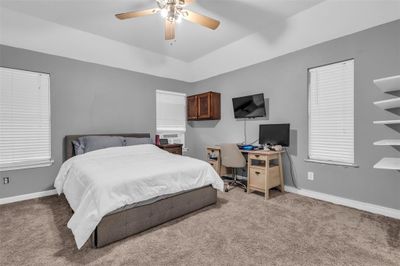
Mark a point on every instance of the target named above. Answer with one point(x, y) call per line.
point(215, 106)
point(192, 107)
point(204, 105)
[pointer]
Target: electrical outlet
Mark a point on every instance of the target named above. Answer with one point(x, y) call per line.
point(310, 176)
point(6, 180)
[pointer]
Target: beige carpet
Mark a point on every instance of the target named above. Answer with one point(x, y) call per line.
point(240, 230)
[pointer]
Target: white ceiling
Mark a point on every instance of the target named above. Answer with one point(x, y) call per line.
point(239, 18)
point(251, 32)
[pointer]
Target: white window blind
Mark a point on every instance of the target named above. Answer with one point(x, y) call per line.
point(171, 111)
point(331, 113)
point(24, 119)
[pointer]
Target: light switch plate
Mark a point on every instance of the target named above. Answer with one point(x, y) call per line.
point(310, 176)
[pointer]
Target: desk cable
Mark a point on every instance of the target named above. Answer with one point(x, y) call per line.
point(290, 166)
point(251, 143)
point(245, 132)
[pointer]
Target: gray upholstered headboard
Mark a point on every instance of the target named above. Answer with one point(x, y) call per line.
point(69, 147)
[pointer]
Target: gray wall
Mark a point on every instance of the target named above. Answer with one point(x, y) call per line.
point(284, 81)
point(85, 98)
point(89, 98)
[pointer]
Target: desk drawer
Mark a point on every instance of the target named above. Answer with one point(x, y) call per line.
point(257, 156)
point(256, 160)
point(257, 178)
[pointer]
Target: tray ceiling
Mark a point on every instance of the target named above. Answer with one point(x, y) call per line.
point(239, 18)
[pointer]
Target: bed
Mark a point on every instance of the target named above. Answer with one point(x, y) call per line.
point(129, 216)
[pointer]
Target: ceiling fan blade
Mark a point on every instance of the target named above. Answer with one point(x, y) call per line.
point(201, 19)
point(169, 30)
point(135, 14)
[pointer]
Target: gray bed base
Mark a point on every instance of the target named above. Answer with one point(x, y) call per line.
point(117, 226)
point(132, 220)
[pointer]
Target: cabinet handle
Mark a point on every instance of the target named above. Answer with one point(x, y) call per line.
point(257, 173)
point(257, 155)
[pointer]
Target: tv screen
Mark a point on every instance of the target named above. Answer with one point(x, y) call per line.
point(249, 106)
point(275, 134)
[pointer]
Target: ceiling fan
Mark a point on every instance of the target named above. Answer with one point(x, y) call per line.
point(173, 11)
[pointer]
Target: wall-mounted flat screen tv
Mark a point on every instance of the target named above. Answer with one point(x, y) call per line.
point(249, 106)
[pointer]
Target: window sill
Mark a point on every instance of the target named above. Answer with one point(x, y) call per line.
point(27, 166)
point(332, 163)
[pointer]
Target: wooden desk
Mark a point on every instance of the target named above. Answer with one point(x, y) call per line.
point(264, 169)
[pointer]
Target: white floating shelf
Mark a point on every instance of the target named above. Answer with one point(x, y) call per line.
point(387, 142)
point(388, 163)
point(388, 104)
point(387, 122)
point(388, 84)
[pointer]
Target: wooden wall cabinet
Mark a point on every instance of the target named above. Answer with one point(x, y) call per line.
point(204, 106)
point(192, 107)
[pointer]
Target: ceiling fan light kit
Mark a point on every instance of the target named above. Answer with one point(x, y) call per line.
point(173, 12)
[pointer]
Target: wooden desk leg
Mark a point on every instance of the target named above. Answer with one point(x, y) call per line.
point(266, 193)
point(282, 185)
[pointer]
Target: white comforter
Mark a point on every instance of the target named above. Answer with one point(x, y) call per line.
point(102, 181)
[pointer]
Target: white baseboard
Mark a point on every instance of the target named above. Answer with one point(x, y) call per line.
point(389, 212)
point(377, 209)
point(28, 196)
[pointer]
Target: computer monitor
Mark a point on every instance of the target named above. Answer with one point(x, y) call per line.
point(275, 134)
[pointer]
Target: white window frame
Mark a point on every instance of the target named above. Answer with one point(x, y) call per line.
point(32, 163)
point(315, 159)
point(167, 131)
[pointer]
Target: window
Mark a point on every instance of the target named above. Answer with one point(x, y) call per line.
point(24, 119)
point(331, 113)
point(171, 115)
